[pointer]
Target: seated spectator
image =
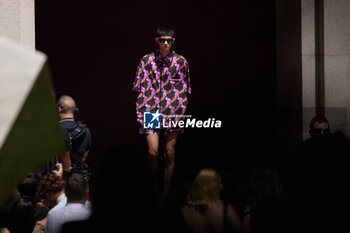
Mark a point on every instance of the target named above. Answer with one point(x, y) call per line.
point(122, 197)
point(5, 211)
point(205, 211)
point(25, 196)
point(265, 204)
point(266, 184)
point(76, 190)
point(28, 187)
point(323, 163)
point(22, 218)
point(319, 125)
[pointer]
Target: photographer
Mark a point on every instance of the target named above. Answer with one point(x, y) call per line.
point(77, 137)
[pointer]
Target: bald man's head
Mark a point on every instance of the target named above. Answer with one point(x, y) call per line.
point(66, 104)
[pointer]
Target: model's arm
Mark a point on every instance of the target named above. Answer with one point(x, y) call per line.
point(139, 74)
point(187, 77)
point(137, 87)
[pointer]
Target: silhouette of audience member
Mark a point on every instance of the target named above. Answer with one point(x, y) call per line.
point(266, 184)
point(51, 191)
point(122, 197)
point(28, 188)
point(205, 211)
point(76, 190)
point(265, 205)
point(319, 125)
point(5, 210)
point(24, 198)
point(23, 216)
point(324, 163)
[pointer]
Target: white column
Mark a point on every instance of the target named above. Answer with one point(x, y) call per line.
point(337, 73)
point(337, 67)
point(17, 21)
point(308, 63)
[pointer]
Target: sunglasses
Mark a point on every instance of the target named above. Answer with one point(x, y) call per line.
point(162, 40)
point(321, 131)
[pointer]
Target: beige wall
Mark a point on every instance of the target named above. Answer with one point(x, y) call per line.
point(17, 21)
point(337, 52)
point(337, 73)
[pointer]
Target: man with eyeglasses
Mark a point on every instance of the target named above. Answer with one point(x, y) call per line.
point(163, 84)
point(319, 125)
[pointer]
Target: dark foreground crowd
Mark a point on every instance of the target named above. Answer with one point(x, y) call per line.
point(119, 197)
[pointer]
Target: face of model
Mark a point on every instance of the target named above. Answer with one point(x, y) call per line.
point(164, 44)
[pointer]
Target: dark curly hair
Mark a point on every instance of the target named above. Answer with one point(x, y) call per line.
point(50, 184)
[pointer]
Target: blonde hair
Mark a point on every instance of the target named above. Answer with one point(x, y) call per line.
point(206, 187)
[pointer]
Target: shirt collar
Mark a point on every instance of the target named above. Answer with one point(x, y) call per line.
point(61, 197)
point(67, 119)
point(163, 61)
point(75, 204)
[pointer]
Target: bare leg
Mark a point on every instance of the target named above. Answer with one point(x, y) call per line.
point(152, 158)
point(169, 154)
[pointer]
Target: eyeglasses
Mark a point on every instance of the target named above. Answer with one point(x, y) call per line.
point(321, 131)
point(169, 40)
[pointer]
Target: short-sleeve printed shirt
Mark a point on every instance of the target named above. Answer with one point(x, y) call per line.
point(163, 84)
